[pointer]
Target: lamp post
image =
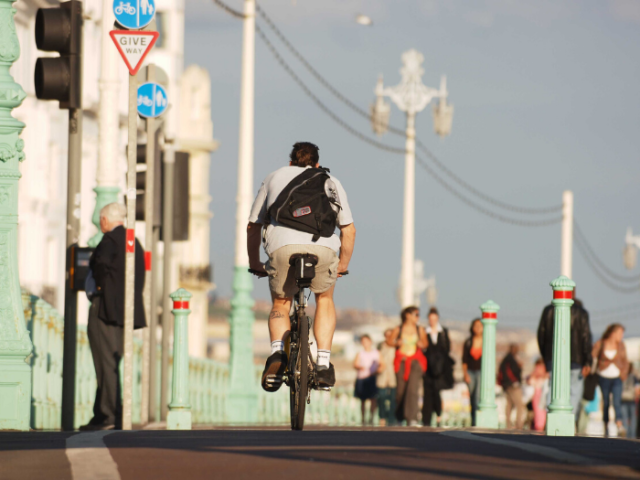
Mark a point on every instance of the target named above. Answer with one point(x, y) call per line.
point(630, 252)
point(243, 397)
point(15, 344)
point(411, 96)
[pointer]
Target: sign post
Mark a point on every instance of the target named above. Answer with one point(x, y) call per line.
point(133, 47)
point(152, 102)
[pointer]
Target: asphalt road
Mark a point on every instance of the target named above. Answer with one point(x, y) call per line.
point(316, 453)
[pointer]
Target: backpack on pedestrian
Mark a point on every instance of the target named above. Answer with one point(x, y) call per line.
point(309, 203)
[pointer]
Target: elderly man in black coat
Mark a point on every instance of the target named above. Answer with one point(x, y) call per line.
point(106, 316)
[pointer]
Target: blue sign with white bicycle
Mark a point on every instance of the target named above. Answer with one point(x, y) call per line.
point(152, 100)
point(134, 13)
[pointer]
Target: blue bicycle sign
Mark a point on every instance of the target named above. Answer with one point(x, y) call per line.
point(134, 13)
point(152, 100)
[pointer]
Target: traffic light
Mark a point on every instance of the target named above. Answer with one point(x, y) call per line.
point(60, 78)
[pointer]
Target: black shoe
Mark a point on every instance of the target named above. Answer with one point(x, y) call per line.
point(325, 376)
point(273, 371)
point(94, 427)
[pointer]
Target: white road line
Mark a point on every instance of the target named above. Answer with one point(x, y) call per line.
point(550, 452)
point(90, 458)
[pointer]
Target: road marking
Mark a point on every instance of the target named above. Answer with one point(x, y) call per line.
point(550, 452)
point(90, 458)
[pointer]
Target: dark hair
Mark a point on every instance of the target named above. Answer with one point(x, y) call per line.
point(473, 323)
point(364, 336)
point(407, 311)
point(433, 311)
point(304, 154)
point(610, 329)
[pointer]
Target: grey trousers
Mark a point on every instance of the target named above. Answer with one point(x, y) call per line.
point(407, 393)
point(107, 344)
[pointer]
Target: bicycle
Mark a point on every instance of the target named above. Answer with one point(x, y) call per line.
point(300, 375)
point(125, 7)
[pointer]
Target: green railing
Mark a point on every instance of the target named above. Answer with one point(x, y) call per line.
point(209, 381)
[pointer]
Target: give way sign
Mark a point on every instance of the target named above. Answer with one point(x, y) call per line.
point(133, 46)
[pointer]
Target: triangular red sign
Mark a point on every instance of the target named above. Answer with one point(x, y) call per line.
point(133, 46)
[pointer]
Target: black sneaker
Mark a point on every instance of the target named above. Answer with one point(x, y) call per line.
point(325, 376)
point(273, 371)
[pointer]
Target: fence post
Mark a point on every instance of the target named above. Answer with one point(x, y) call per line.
point(179, 416)
point(560, 420)
point(487, 415)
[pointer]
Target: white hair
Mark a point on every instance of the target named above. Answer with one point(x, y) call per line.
point(114, 212)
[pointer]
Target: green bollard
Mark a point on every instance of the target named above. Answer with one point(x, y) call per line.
point(179, 416)
point(560, 419)
point(487, 415)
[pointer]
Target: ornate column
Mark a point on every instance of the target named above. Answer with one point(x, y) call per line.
point(109, 85)
point(195, 135)
point(242, 404)
point(560, 420)
point(15, 344)
point(487, 415)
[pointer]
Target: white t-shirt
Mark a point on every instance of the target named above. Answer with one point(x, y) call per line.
point(277, 235)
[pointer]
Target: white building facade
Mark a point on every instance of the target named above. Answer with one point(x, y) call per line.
point(42, 191)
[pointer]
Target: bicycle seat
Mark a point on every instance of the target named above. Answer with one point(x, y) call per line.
point(304, 268)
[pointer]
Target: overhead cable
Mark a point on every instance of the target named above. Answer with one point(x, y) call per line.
point(584, 252)
point(397, 131)
point(621, 278)
point(228, 9)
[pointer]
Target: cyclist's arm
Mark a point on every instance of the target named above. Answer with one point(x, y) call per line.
point(254, 235)
point(347, 241)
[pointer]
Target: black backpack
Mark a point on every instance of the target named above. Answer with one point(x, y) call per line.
point(304, 204)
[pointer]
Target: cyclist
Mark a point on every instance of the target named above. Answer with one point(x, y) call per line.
point(280, 243)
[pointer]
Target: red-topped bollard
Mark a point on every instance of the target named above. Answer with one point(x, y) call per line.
point(561, 420)
point(179, 416)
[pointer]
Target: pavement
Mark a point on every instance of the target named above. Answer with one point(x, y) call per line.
point(316, 453)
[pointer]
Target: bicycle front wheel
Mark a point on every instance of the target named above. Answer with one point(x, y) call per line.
point(300, 380)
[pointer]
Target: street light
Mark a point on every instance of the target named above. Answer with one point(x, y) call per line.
point(410, 96)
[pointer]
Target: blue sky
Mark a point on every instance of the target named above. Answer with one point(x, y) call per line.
point(546, 99)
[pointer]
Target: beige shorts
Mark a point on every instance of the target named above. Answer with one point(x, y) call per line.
point(282, 281)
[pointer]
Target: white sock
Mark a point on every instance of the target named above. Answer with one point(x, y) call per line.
point(323, 358)
point(277, 346)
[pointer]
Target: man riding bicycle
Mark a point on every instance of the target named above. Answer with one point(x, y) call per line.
point(274, 207)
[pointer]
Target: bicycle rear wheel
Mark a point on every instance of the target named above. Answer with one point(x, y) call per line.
point(300, 371)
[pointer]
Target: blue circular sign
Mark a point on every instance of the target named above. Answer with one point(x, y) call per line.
point(134, 13)
point(152, 100)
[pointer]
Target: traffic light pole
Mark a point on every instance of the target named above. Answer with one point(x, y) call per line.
point(130, 256)
point(74, 176)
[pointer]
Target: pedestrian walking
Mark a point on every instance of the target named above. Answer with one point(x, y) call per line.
point(386, 383)
point(367, 364)
point(472, 365)
point(630, 396)
point(612, 368)
point(439, 374)
point(539, 380)
point(580, 348)
point(106, 315)
point(510, 378)
point(409, 364)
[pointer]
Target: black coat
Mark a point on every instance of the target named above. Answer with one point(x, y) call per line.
point(580, 334)
point(439, 365)
point(107, 265)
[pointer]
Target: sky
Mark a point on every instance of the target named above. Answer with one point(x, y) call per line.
point(546, 99)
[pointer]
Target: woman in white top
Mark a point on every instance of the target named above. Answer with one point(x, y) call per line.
point(367, 364)
point(612, 368)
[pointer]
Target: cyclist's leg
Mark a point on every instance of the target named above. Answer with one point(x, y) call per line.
point(325, 321)
point(279, 322)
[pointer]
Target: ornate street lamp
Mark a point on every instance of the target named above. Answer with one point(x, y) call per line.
point(410, 96)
